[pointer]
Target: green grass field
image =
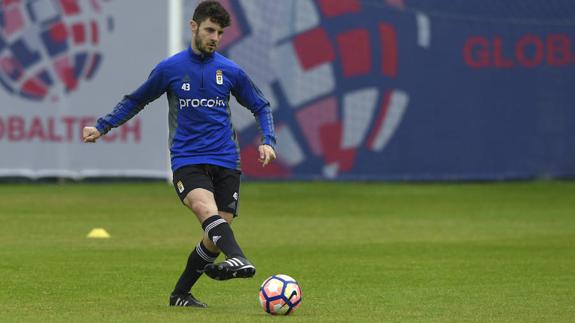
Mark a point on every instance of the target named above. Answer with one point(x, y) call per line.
point(489, 252)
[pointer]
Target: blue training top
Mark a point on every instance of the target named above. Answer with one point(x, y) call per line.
point(198, 89)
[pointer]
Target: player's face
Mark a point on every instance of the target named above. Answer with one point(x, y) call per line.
point(206, 36)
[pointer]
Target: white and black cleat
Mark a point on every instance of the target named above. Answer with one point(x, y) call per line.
point(236, 267)
point(186, 300)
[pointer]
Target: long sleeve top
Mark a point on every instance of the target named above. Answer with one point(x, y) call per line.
point(198, 90)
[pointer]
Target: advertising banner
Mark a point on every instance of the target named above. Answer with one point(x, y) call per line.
point(409, 90)
point(65, 63)
point(360, 89)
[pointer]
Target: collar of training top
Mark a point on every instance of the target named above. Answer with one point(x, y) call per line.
point(199, 57)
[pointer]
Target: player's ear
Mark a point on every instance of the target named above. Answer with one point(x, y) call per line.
point(193, 25)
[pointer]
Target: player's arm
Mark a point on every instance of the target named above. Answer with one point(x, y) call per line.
point(130, 105)
point(248, 95)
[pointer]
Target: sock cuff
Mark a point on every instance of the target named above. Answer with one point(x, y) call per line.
point(207, 255)
point(211, 223)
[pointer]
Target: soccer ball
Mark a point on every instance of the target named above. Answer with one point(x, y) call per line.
point(280, 295)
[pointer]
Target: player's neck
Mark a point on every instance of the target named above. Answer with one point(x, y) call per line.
point(198, 52)
point(195, 50)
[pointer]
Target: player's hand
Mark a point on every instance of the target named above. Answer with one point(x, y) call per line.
point(267, 154)
point(90, 134)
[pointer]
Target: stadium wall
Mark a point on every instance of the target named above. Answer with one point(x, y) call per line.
point(361, 90)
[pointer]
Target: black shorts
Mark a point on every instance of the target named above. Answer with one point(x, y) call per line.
point(223, 182)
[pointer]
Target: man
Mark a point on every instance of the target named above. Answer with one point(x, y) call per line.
point(204, 149)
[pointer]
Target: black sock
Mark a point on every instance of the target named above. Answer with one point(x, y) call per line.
point(220, 232)
point(197, 260)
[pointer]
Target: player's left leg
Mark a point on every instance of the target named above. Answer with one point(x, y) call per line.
point(226, 193)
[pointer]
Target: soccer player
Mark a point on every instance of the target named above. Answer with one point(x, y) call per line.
point(203, 145)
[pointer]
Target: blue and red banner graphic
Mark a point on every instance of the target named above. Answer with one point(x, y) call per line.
point(360, 89)
point(59, 71)
point(405, 90)
point(68, 52)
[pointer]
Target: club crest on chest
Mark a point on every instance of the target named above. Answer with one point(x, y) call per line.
point(219, 77)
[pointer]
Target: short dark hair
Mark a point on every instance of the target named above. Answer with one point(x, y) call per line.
point(214, 11)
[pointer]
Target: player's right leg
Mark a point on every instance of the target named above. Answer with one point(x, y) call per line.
point(197, 260)
point(185, 180)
